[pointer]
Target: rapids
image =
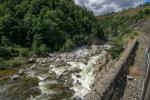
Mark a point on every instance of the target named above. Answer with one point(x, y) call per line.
point(60, 76)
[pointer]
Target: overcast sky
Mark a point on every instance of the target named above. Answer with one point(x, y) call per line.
point(106, 6)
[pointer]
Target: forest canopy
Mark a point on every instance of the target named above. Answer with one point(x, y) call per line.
point(52, 24)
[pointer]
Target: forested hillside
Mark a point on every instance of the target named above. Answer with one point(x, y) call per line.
point(51, 25)
point(125, 21)
point(35, 27)
point(125, 24)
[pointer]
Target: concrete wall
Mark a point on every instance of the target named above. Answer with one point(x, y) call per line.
point(106, 82)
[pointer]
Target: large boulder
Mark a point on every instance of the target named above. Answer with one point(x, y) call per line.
point(21, 72)
point(15, 77)
point(2, 67)
point(130, 77)
point(31, 60)
point(34, 90)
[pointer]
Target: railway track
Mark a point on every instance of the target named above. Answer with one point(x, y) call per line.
point(146, 87)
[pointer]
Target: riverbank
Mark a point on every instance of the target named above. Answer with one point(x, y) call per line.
point(65, 75)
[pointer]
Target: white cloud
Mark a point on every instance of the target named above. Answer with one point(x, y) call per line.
point(106, 6)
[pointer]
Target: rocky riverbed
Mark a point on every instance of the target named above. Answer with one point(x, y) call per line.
point(60, 76)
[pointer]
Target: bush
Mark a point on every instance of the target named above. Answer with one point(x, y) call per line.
point(16, 62)
point(24, 52)
point(128, 30)
point(43, 50)
point(69, 44)
point(36, 44)
point(147, 11)
point(55, 20)
point(117, 47)
point(5, 41)
point(5, 52)
point(115, 51)
point(133, 35)
point(39, 49)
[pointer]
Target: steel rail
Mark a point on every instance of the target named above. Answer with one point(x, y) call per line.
point(145, 90)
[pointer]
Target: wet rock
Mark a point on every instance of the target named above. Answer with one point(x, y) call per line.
point(75, 70)
point(34, 90)
point(57, 77)
point(37, 60)
point(130, 77)
point(33, 67)
point(78, 76)
point(68, 82)
point(31, 98)
point(21, 72)
point(2, 67)
point(78, 82)
point(45, 60)
point(31, 60)
point(65, 85)
point(15, 77)
point(76, 98)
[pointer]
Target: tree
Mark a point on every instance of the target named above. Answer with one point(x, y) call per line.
point(57, 21)
point(36, 44)
point(147, 11)
point(43, 50)
point(69, 44)
point(5, 41)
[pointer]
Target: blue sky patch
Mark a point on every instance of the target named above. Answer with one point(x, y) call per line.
point(106, 6)
point(147, 0)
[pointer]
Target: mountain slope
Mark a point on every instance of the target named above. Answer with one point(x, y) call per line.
point(123, 25)
point(52, 22)
point(36, 27)
point(122, 22)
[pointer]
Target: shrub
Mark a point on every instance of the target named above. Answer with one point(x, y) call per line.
point(117, 47)
point(43, 50)
point(69, 44)
point(115, 51)
point(16, 62)
point(5, 52)
point(128, 30)
point(133, 35)
point(147, 11)
point(36, 44)
point(5, 41)
point(24, 52)
point(39, 49)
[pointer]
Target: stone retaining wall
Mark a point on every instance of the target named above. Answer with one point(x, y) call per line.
point(105, 81)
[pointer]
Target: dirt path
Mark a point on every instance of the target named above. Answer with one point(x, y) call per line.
point(137, 71)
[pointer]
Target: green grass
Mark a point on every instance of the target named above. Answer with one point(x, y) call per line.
point(7, 72)
point(12, 63)
point(133, 35)
point(117, 48)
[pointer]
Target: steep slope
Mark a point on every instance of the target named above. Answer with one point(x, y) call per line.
point(122, 25)
point(37, 27)
point(126, 21)
point(58, 24)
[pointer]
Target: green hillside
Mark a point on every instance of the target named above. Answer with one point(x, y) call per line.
point(135, 19)
point(36, 27)
point(120, 26)
point(52, 24)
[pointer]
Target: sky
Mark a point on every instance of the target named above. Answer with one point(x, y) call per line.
point(106, 6)
point(146, 0)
